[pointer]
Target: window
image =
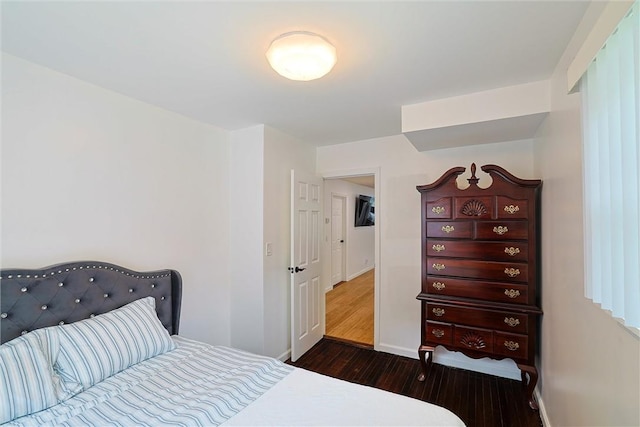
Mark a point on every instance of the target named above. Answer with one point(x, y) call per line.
point(611, 165)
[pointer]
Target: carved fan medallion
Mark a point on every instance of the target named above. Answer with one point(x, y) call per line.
point(474, 208)
point(473, 340)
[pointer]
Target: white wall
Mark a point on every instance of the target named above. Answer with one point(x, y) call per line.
point(260, 209)
point(88, 174)
point(246, 211)
point(281, 154)
point(402, 168)
point(359, 241)
point(590, 363)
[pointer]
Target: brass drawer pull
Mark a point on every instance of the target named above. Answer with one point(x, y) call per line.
point(437, 209)
point(439, 312)
point(511, 209)
point(439, 266)
point(512, 293)
point(439, 333)
point(500, 230)
point(511, 272)
point(511, 321)
point(511, 251)
point(438, 286)
point(448, 228)
point(438, 248)
point(512, 345)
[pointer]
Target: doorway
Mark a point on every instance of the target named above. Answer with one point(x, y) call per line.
point(350, 299)
point(349, 310)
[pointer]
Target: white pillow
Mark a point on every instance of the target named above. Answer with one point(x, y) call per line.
point(94, 349)
point(26, 379)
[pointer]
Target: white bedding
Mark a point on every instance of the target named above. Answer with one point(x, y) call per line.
point(305, 398)
point(199, 384)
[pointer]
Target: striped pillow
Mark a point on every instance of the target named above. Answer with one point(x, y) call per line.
point(49, 341)
point(94, 349)
point(26, 379)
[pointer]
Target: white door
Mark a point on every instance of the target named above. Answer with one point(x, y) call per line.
point(337, 239)
point(307, 298)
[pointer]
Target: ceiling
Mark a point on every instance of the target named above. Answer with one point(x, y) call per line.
point(206, 60)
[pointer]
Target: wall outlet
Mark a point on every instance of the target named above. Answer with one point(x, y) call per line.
point(366, 261)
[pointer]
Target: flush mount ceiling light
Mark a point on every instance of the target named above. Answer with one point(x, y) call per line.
point(301, 55)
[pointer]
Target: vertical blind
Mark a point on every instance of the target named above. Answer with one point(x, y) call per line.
point(611, 166)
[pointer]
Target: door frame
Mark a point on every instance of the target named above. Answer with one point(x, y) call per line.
point(376, 172)
point(344, 234)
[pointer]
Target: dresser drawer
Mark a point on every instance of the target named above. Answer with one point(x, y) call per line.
point(502, 230)
point(475, 339)
point(511, 345)
point(512, 208)
point(473, 207)
point(493, 319)
point(473, 269)
point(489, 291)
point(440, 208)
point(441, 333)
point(450, 229)
point(495, 251)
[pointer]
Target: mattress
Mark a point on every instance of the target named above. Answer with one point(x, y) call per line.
point(199, 384)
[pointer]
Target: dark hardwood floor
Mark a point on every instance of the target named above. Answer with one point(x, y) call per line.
point(480, 400)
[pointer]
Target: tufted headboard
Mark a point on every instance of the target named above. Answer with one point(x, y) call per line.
point(66, 293)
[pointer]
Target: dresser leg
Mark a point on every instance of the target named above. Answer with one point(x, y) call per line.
point(532, 372)
point(422, 352)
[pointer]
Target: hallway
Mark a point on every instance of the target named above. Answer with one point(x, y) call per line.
point(349, 310)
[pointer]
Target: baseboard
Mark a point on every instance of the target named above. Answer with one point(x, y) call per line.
point(544, 417)
point(501, 368)
point(400, 351)
point(361, 272)
point(284, 356)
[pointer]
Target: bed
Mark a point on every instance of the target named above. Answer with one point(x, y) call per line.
point(92, 343)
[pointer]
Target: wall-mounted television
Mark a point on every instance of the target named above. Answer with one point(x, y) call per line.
point(365, 211)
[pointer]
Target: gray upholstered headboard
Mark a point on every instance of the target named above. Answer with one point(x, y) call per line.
point(65, 293)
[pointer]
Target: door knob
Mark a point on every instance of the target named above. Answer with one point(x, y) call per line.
point(298, 269)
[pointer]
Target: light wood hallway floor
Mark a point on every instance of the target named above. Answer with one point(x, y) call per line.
point(349, 310)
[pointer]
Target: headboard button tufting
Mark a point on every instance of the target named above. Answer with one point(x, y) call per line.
point(70, 292)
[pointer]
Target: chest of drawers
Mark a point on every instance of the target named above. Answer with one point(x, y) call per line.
point(480, 269)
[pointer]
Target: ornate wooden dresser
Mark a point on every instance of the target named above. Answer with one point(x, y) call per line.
point(480, 269)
